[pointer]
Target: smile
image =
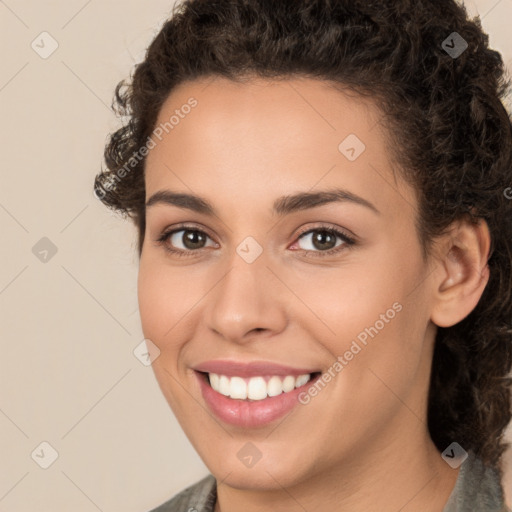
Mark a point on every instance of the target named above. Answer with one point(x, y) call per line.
point(251, 395)
point(256, 388)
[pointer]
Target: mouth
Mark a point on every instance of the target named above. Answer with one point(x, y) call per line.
point(253, 395)
point(256, 388)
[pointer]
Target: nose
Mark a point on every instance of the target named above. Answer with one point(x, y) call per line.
point(248, 302)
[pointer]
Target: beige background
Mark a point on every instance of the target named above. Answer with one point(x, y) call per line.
point(68, 328)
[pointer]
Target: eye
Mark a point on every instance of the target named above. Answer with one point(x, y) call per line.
point(324, 240)
point(184, 241)
point(320, 241)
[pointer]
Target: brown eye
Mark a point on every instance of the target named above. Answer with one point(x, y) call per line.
point(191, 239)
point(184, 241)
point(322, 239)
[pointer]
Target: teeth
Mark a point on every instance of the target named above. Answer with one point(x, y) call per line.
point(214, 381)
point(237, 388)
point(255, 388)
point(301, 380)
point(274, 386)
point(224, 387)
point(288, 383)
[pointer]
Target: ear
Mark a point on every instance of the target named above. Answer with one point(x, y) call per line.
point(462, 271)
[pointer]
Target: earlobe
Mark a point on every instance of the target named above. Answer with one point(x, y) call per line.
point(463, 272)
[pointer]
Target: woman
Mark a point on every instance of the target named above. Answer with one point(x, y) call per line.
point(325, 235)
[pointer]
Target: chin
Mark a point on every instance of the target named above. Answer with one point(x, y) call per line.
point(273, 471)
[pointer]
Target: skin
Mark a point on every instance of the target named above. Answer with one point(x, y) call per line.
point(362, 443)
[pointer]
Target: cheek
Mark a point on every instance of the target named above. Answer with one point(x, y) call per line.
point(347, 300)
point(373, 313)
point(165, 295)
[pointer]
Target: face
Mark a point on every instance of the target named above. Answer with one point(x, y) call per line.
point(288, 298)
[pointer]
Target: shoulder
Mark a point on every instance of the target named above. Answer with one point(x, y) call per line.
point(478, 489)
point(199, 497)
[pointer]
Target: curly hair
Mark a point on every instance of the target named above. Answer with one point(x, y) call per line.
point(451, 138)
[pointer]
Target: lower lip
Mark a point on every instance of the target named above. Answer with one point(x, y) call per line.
point(247, 414)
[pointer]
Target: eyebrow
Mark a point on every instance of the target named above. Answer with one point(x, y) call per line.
point(282, 206)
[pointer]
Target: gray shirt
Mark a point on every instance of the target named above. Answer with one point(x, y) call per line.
point(477, 489)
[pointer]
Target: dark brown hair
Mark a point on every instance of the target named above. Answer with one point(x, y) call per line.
point(451, 139)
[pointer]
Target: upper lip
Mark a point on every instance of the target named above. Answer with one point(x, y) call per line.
point(249, 369)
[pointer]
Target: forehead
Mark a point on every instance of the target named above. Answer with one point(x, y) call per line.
point(264, 136)
point(287, 113)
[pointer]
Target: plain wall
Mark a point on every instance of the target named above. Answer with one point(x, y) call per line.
point(69, 325)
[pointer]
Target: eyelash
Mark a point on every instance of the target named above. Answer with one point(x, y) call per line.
point(348, 240)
